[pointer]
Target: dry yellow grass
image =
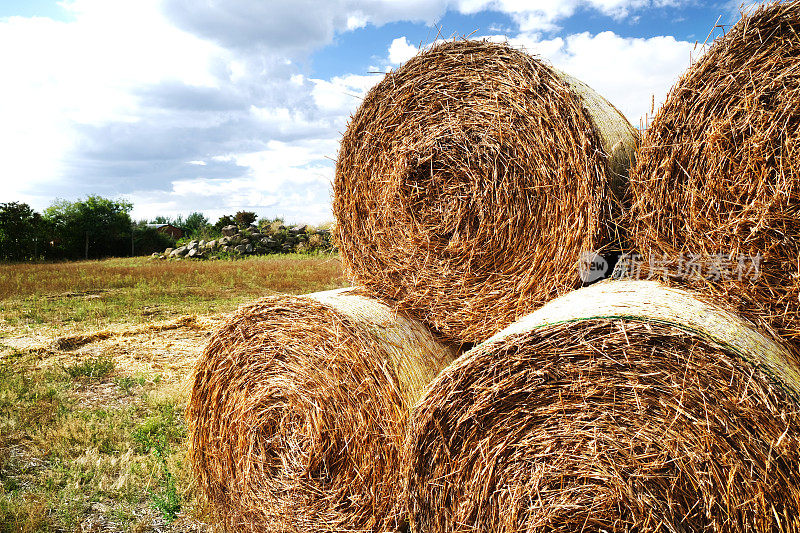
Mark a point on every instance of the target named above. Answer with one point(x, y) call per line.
point(55, 299)
point(295, 273)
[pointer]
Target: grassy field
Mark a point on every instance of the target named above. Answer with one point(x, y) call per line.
point(95, 372)
point(90, 294)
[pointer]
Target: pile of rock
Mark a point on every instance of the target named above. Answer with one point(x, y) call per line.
point(252, 240)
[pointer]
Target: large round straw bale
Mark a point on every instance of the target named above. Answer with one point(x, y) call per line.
point(471, 179)
point(625, 406)
point(718, 172)
point(299, 410)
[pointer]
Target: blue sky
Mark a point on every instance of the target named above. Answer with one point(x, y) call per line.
point(202, 105)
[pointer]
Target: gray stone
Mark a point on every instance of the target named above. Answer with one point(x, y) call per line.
point(224, 240)
point(241, 249)
point(266, 241)
point(192, 246)
point(194, 252)
point(211, 245)
point(249, 248)
point(202, 243)
point(168, 251)
point(227, 231)
point(180, 252)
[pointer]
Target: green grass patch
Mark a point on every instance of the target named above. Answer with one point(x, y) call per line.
point(94, 368)
point(129, 383)
point(60, 461)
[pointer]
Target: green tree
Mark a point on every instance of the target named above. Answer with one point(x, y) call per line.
point(21, 232)
point(245, 218)
point(224, 220)
point(195, 224)
point(94, 227)
point(148, 240)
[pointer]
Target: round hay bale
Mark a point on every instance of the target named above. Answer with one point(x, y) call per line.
point(625, 406)
point(717, 177)
point(470, 181)
point(299, 410)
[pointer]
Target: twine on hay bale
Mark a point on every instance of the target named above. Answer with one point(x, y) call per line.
point(299, 410)
point(718, 171)
point(471, 179)
point(624, 406)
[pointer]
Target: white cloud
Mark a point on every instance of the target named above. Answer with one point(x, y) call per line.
point(401, 51)
point(356, 20)
point(288, 28)
point(626, 71)
point(544, 15)
point(82, 73)
point(283, 163)
point(291, 180)
point(293, 28)
point(286, 122)
point(341, 95)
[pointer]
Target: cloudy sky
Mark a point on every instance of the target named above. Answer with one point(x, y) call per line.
point(226, 105)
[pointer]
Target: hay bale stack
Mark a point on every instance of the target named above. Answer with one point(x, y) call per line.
point(299, 410)
point(625, 406)
point(718, 172)
point(471, 179)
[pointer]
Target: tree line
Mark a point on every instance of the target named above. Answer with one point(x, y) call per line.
point(97, 227)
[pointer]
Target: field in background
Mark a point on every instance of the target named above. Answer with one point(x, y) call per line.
point(90, 294)
point(95, 368)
